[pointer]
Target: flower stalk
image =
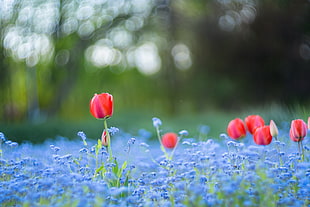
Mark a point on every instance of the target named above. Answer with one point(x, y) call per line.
point(108, 139)
point(161, 143)
point(182, 133)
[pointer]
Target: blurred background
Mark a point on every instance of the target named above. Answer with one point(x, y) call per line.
point(190, 63)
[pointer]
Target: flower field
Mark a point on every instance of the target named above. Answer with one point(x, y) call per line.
point(254, 164)
point(213, 172)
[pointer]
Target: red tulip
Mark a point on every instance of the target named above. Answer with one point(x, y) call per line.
point(253, 122)
point(236, 129)
point(298, 130)
point(169, 140)
point(309, 122)
point(262, 135)
point(101, 105)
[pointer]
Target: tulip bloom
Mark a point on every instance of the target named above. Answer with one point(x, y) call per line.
point(298, 130)
point(169, 140)
point(236, 129)
point(273, 129)
point(101, 105)
point(253, 122)
point(262, 135)
point(309, 122)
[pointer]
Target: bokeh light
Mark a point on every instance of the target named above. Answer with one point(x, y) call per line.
point(181, 56)
point(150, 53)
point(147, 59)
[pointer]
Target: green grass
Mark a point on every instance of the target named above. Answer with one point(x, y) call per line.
point(129, 122)
point(132, 120)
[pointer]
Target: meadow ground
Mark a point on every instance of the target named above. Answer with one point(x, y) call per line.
point(203, 171)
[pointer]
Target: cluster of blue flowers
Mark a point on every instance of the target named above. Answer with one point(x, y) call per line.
point(213, 172)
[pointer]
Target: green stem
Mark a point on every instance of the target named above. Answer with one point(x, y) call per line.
point(278, 150)
point(161, 144)
point(302, 151)
point(1, 149)
point(108, 139)
point(171, 155)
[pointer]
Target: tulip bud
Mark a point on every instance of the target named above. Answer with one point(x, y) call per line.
point(104, 138)
point(169, 140)
point(101, 105)
point(236, 129)
point(298, 130)
point(262, 135)
point(273, 129)
point(253, 122)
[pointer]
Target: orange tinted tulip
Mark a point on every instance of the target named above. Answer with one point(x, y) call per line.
point(169, 140)
point(236, 129)
point(101, 105)
point(262, 135)
point(253, 122)
point(298, 130)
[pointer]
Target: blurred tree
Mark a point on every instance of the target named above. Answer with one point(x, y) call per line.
point(172, 56)
point(45, 42)
point(247, 52)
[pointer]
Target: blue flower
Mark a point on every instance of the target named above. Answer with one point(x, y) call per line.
point(82, 135)
point(156, 122)
point(2, 137)
point(113, 130)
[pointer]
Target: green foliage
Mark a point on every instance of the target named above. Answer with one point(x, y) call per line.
point(215, 120)
point(116, 170)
